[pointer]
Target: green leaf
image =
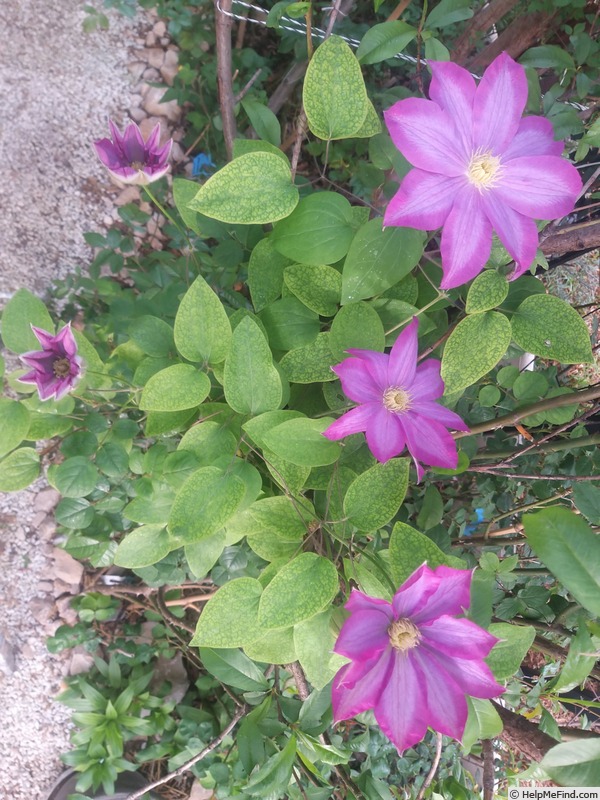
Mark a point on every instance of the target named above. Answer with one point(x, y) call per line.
point(75, 513)
point(318, 287)
point(356, 326)
point(209, 441)
point(489, 396)
point(301, 442)
point(319, 231)
point(19, 469)
point(204, 504)
point(289, 324)
point(263, 120)
point(75, 477)
point(202, 556)
point(384, 41)
point(250, 381)
point(378, 259)
point(184, 192)
point(371, 126)
point(233, 668)
point(548, 56)
point(254, 189)
point(15, 421)
point(409, 549)
point(311, 363)
point(202, 329)
point(432, 509)
point(506, 656)
point(112, 459)
point(574, 763)
point(22, 311)
point(158, 422)
point(45, 426)
point(243, 146)
point(230, 618)
point(152, 335)
point(483, 722)
point(143, 547)
point(571, 551)
point(175, 389)
point(273, 526)
point(314, 639)
point(265, 274)
point(487, 291)
point(273, 778)
point(334, 95)
point(275, 647)
point(548, 327)
point(375, 496)
point(447, 12)
point(587, 499)
point(579, 662)
point(475, 346)
point(302, 588)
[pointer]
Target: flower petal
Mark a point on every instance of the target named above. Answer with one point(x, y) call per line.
point(519, 234)
point(108, 154)
point(457, 637)
point(153, 140)
point(402, 362)
point(364, 634)
point(376, 363)
point(498, 106)
point(534, 137)
point(133, 144)
point(426, 137)
point(358, 601)
point(429, 441)
point(412, 597)
point(447, 709)
point(451, 595)
point(474, 677)
point(542, 187)
point(385, 436)
point(423, 201)
point(440, 413)
point(348, 701)
point(427, 383)
point(453, 89)
point(353, 421)
point(466, 240)
point(357, 381)
point(44, 338)
point(401, 707)
point(67, 341)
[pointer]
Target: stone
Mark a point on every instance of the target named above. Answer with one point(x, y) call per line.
point(137, 114)
point(131, 194)
point(198, 792)
point(81, 661)
point(45, 586)
point(150, 39)
point(160, 28)
point(38, 519)
point(155, 56)
point(154, 107)
point(66, 568)
point(151, 74)
point(46, 500)
point(148, 125)
point(173, 671)
point(7, 656)
point(136, 69)
point(66, 612)
point(41, 610)
point(47, 529)
point(170, 67)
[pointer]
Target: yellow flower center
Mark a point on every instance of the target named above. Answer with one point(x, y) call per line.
point(137, 165)
point(396, 400)
point(61, 367)
point(483, 170)
point(404, 635)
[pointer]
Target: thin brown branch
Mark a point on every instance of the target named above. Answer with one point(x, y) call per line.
point(583, 236)
point(488, 769)
point(189, 764)
point(399, 10)
point(299, 679)
point(539, 477)
point(434, 765)
point(241, 94)
point(224, 77)
point(545, 447)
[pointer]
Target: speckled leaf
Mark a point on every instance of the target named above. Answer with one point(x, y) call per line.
point(19, 469)
point(22, 311)
point(314, 640)
point(378, 259)
point(75, 477)
point(273, 526)
point(356, 326)
point(301, 441)
point(230, 618)
point(334, 95)
point(311, 363)
point(319, 231)
point(253, 189)
point(14, 424)
point(372, 124)
point(175, 389)
point(265, 274)
point(275, 647)
point(158, 422)
point(289, 324)
point(375, 496)
point(290, 477)
point(204, 504)
point(475, 346)
point(409, 549)
point(548, 327)
point(506, 656)
point(259, 426)
point(143, 547)
point(318, 287)
point(300, 590)
point(209, 441)
point(251, 382)
point(152, 335)
point(202, 556)
point(202, 329)
point(487, 291)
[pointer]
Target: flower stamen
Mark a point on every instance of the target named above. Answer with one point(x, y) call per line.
point(404, 635)
point(483, 170)
point(397, 400)
point(61, 367)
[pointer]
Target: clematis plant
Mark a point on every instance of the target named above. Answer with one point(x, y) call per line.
point(131, 160)
point(479, 167)
point(56, 368)
point(397, 407)
point(413, 660)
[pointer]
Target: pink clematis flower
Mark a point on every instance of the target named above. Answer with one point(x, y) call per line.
point(56, 368)
point(397, 404)
point(412, 660)
point(478, 167)
point(130, 159)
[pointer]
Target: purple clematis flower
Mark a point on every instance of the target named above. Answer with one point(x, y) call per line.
point(56, 368)
point(130, 159)
point(478, 167)
point(397, 407)
point(412, 660)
